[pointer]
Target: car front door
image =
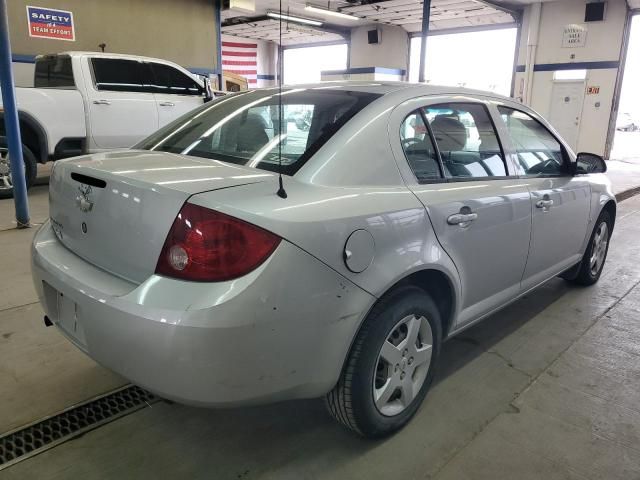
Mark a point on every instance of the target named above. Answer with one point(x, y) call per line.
point(560, 201)
point(122, 109)
point(480, 214)
point(176, 93)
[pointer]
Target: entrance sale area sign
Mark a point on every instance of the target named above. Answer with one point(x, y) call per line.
point(50, 23)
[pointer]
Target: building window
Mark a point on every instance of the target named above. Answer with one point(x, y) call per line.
point(481, 60)
point(570, 74)
point(304, 65)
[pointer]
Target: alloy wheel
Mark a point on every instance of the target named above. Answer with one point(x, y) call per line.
point(599, 248)
point(402, 365)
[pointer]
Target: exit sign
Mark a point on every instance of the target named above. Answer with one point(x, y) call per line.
point(593, 90)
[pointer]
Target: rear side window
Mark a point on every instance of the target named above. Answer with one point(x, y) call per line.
point(245, 128)
point(118, 75)
point(467, 140)
point(418, 148)
point(538, 152)
point(171, 80)
point(54, 72)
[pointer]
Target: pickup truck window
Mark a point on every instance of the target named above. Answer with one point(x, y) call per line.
point(173, 81)
point(54, 72)
point(117, 75)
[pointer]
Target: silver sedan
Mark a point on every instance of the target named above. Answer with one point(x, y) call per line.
point(239, 256)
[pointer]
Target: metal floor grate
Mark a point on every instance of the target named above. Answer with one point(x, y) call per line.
point(27, 441)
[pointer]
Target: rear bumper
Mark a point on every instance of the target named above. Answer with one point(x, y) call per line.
point(279, 333)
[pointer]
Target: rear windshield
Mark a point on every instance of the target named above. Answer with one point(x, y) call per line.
point(245, 128)
point(54, 72)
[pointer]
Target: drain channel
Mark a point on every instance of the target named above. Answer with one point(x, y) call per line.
point(21, 444)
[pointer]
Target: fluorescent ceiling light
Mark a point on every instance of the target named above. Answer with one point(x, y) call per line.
point(324, 11)
point(291, 18)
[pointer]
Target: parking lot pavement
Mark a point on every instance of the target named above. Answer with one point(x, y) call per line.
point(626, 146)
point(546, 388)
point(624, 175)
point(41, 373)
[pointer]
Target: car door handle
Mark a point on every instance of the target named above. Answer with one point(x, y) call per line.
point(101, 102)
point(544, 203)
point(459, 218)
point(167, 104)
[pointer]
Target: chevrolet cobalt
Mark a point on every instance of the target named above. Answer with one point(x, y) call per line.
point(235, 258)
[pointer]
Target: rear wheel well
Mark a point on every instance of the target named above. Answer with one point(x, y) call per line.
point(439, 287)
point(433, 282)
point(30, 137)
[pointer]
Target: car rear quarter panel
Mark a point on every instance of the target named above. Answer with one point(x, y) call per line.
point(359, 153)
point(319, 220)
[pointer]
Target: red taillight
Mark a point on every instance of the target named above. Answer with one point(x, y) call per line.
point(208, 246)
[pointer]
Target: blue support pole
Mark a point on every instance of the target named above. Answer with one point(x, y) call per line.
point(11, 123)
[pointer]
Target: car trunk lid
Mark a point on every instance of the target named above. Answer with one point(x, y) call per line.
point(115, 209)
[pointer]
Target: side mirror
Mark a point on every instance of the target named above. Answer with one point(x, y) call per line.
point(208, 92)
point(589, 163)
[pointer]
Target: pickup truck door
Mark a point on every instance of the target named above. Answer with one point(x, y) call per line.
point(122, 107)
point(560, 202)
point(480, 215)
point(176, 92)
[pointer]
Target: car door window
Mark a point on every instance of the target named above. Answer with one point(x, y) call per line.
point(538, 151)
point(117, 75)
point(466, 140)
point(173, 81)
point(418, 148)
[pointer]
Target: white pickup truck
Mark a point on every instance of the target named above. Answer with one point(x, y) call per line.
point(85, 102)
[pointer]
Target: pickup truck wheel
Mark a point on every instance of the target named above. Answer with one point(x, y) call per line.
point(6, 181)
point(391, 365)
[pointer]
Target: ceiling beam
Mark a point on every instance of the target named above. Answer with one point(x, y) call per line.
point(512, 9)
point(343, 32)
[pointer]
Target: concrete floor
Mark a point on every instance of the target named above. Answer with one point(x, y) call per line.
point(547, 388)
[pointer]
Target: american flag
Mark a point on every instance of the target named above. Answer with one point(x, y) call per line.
point(241, 58)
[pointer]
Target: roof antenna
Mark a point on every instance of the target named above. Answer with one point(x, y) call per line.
point(281, 191)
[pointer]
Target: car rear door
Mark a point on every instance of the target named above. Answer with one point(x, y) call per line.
point(176, 93)
point(481, 215)
point(560, 201)
point(122, 108)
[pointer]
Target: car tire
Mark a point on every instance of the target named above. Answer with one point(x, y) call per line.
point(30, 172)
point(366, 373)
point(595, 255)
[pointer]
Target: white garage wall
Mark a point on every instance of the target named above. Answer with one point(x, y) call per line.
point(139, 27)
point(603, 44)
point(391, 52)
